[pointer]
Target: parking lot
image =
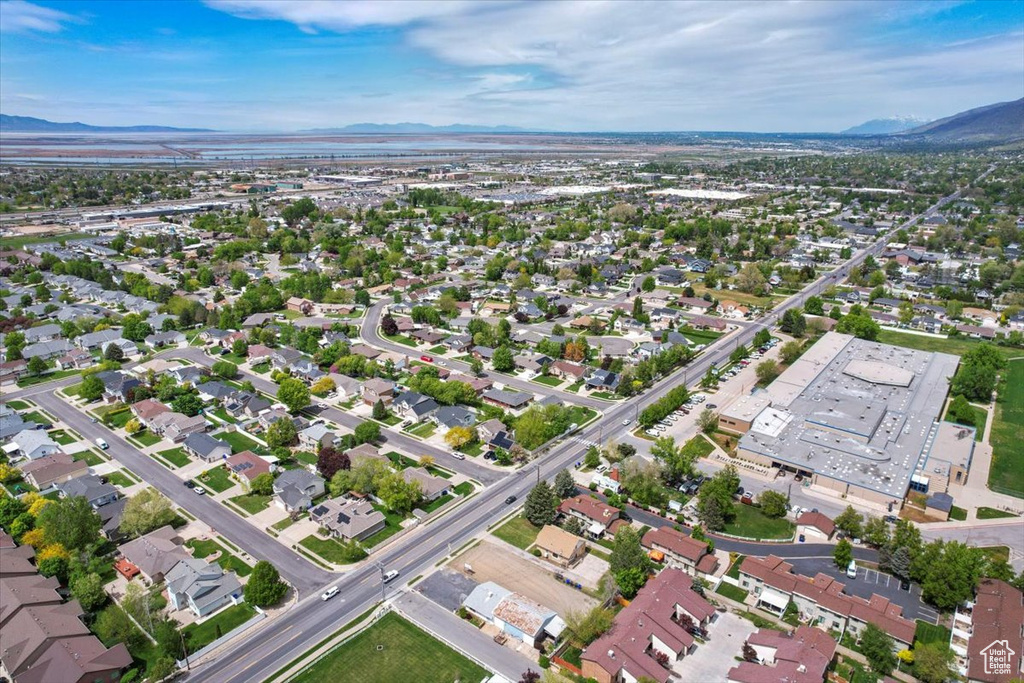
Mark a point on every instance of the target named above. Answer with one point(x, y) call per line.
point(712, 660)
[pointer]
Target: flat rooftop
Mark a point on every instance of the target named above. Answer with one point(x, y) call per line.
point(867, 427)
point(746, 407)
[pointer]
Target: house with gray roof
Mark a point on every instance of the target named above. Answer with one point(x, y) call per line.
point(46, 349)
point(295, 490)
point(201, 587)
point(431, 487)
point(95, 340)
point(155, 553)
point(91, 487)
point(453, 416)
point(31, 444)
point(348, 518)
point(411, 405)
point(206, 447)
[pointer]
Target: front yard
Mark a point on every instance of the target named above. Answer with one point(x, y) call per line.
point(518, 531)
point(751, 523)
point(251, 502)
point(331, 550)
point(216, 479)
point(176, 456)
point(198, 636)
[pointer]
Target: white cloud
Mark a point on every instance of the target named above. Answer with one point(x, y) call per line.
point(340, 16)
point(18, 16)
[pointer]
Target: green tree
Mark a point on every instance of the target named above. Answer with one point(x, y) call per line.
point(265, 587)
point(707, 421)
point(145, 511)
point(773, 503)
point(648, 284)
point(593, 457)
point(91, 388)
point(281, 433)
point(263, 484)
point(70, 522)
point(476, 366)
point(629, 564)
point(933, 662)
point(762, 337)
point(750, 279)
point(503, 360)
point(586, 627)
point(113, 353)
point(225, 369)
point(789, 352)
point(814, 306)
point(960, 411)
point(877, 647)
point(168, 638)
point(113, 626)
point(367, 432)
point(36, 366)
point(398, 494)
point(793, 322)
point(850, 522)
point(541, 505)
point(187, 404)
point(842, 555)
point(951, 573)
point(294, 394)
point(565, 486)
point(88, 590)
point(380, 411)
point(767, 370)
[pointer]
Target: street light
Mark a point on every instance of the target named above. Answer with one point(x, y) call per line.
point(383, 586)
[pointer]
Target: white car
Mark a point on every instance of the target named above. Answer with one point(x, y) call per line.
point(329, 593)
point(458, 456)
point(390, 576)
point(200, 490)
point(626, 422)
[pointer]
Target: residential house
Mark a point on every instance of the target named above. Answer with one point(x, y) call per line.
point(603, 380)
point(30, 444)
point(996, 619)
point(176, 426)
point(42, 333)
point(46, 350)
point(595, 515)
point(680, 551)
point(117, 386)
point(159, 340)
point(188, 375)
point(246, 466)
point(155, 553)
point(815, 525)
point(295, 490)
point(365, 452)
point(94, 340)
point(206, 447)
point(694, 304)
point(88, 486)
point(821, 600)
point(13, 370)
point(653, 623)
point(76, 359)
point(513, 614)
point(377, 389)
point(410, 405)
point(509, 400)
point(53, 469)
point(201, 587)
point(314, 436)
point(802, 656)
point(494, 433)
point(349, 519)
point(566, 370)
point(367, 352)
point(431, 487)
point(559, 546)
point(448, 417)
point(148, 409)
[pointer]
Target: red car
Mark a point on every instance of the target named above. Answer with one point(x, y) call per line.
point(426, 359)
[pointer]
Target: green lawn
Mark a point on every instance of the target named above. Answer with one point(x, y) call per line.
point(305, 457)
point(24, 240)
point(224, 416)
point(49, 377)
point(401, 339)
point(203, 548)
point(62, 437)
point(283, 524)
point(957, 345)
point(437, 502)
point(992, 513)
point(463, 489)
point(1007, 472)
point(548, 380)
point(996, 553)
point(423, 430)
point(438, 350)
point(698, 446)
point(388, 651)
point(391, 420)
point(750, 523)
point(518, 531)
point(176, 456)
point(230, 563)
point(959, 514)
point(119, 478)
point(18, 404)
point(473, 450)
point(91, 457)
point(148, 438)
point(251, 502)
point(119, 418)
point(734, 570)
point(217, 479)
point(200, 635)
point(730, 591)
point(574, 387)
point(239, 441)
point(331, 550)
point(930, 633)
point(35, 416)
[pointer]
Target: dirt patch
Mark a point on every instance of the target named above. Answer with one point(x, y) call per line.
point(491, 562)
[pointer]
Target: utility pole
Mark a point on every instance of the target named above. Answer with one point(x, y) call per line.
point(537, 467)
point(383, 586)
point(184, 648)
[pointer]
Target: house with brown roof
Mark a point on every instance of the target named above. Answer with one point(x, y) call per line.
point(78, 660)
point(246, 466)
point(26, 591)
point(17, 562)
point(821, 600)
point(993, 629)
point(567, 370)
point(802, 656)
point(595, 515)
point(155, 553)
point(680, 551)
point(815, 525)
point(55, 468)
point(348, 518)
point(148, 409)
point(560, 547)
point(655, 622)
point(377, 389)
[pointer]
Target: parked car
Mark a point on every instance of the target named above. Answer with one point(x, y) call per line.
point(426, 359)
point(200, 490)
point(747, 498)
point(102, 444)
point(851, 569)
point(189, 483)
point(458, 456)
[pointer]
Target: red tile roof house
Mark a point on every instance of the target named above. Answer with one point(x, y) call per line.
point(821, 600)
point(648, 625)
point(816, 525)
point(258, 353)
point(680, 551)
point(147, 409)
point(595, 515)
point(246, 466)
point(799, 657)
point(996, 632)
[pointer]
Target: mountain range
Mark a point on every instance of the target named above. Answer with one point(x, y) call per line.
point(995, 123)
point(29, 124)
point(894, 124)
point(413, 128)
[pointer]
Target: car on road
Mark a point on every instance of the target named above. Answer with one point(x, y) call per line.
point(102, 444)
point(189, 483)
point(626, 422)
point(510, 500)
point(458, 456)
point(330, 593)
point(426, 359)
point(712, 406)
point(390, 576)
point(200, 490)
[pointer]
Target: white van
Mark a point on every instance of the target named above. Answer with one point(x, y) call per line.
point(102, 444)
point(851, 569)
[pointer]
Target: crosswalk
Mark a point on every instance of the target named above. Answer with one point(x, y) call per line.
point(585, 442)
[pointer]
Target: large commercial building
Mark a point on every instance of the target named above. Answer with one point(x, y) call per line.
point(859, 418)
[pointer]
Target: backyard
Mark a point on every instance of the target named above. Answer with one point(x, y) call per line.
point(751, 523)
point(1007, 472)
point(388, 651)
point(239, 442)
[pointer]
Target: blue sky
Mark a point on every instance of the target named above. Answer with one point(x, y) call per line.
point(267, 65)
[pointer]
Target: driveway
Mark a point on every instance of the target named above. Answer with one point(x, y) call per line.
point(712, 660)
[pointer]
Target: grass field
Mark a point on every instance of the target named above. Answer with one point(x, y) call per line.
point(401, 339)
point(200, 635)
point(203, 547)
point(62, 437)
point(957, 346)
point(698, 446)
point(148, 438)
point(17, 404)
point(750, 523)
point(518, 531)
point(239, 442)
point(992, 513)
point(930, 633)
point(388, 651)
point(48, 377)
point(730, 591)
point(176, 456)
point(958, 514)
point(217, 479)
point(91, 457)
point(20, 242)
point(1007, 472)
point(119, 478)
point(252, 503)
point(423, 430)
point(996, 553)
point(330, 550)
point(548, 380)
